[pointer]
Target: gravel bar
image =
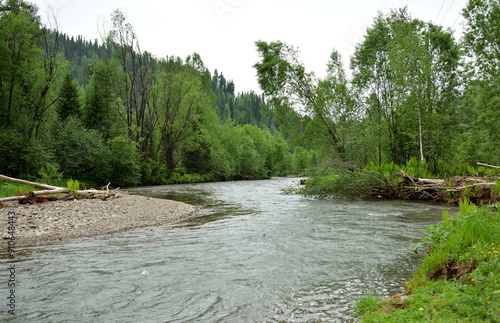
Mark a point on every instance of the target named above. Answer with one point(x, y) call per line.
point(43, 222)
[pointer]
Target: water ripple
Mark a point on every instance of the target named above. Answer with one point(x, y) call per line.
point(251, 254)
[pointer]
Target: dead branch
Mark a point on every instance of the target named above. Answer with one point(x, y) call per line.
point(461, 188)
point(22, 181)
point(486, 165)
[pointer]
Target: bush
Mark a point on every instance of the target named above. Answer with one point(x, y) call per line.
point(345, 183)
point(20, 156)
point(125, 169)
point(81, 153)
point(458, 280)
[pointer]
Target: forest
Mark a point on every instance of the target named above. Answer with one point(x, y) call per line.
point(106, 111)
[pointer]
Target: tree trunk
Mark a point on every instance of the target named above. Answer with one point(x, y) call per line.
point(420, 134)
point(22, 181)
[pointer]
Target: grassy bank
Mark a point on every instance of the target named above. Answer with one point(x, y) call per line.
point(459, 278)
point(12, 189)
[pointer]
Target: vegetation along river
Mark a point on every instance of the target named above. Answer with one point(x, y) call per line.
point(249, 254)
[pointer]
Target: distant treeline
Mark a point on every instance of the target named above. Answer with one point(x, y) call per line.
point(106, 111)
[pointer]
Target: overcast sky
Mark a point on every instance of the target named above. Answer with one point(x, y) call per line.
point(224, 32)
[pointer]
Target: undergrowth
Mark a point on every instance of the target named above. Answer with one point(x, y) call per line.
point(345, 183)
point(13, 189)
point(459, 278)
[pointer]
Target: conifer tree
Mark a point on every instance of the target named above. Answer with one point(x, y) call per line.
point(69, 102)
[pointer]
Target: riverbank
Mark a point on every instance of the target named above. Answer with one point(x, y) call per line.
point(459, 278)
point(58, 220)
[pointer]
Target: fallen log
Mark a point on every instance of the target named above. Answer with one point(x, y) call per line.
point(486, 165)
point(461, 188)
point(34, 196)
point(22, 181)
point(450, 190)
point(35, 193)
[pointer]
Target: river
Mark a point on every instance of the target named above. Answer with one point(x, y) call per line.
point(250, 254)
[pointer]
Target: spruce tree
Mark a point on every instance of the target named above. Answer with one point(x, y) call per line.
point(69, 102)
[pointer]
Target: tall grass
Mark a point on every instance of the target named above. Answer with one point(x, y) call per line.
point(459, 278)
point(12, 189)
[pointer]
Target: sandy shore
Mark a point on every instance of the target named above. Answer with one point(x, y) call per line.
point(39, 223)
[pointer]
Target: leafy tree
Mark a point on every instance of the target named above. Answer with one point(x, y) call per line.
point(124, 167)
point(181, 96)
point(482, 34)
point(81, 152)
point(20, 36)
point(374, 80)
point(68, 103)
point(407, 74)
point(296, 94)
point(480, 109)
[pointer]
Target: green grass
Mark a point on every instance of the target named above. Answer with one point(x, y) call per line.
point(459, 278)
point(13, 189)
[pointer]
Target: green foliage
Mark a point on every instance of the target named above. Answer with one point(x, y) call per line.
point(50, 174)
point(124, 167)
point(82, 153)
point(368, 304)
point(186, 178)
point(416, 168)
point(99, 99)
point(21, 155)
point(496, 187)
point(13, 189)
point(68, 103)
point(438, 169)
point(386, 169)
point(301, 160)
point(73, 186)
point(458, 280)
point(346, 183)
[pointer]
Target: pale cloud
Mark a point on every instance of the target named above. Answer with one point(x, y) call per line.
point(224, 32)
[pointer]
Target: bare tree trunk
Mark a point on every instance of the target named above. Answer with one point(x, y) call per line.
point(420, 134)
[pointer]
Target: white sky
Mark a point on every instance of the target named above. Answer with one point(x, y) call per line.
point(224, 32)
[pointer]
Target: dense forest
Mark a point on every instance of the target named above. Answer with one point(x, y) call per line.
point(101, 111)
point(415, 91)
point(108, 111)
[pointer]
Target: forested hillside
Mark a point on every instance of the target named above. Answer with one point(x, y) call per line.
point(105, 110)
point(108, 111)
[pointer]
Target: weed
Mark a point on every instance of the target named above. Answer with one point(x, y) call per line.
point(459, 278)
point(73, 186)
point(12, 189)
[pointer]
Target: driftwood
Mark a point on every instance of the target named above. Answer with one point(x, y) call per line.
point(46, 194)
point(486, 165)
point(22, 181)
point(450, 190)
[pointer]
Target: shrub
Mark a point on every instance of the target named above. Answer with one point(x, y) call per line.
point(124, 167)
point(81, 152)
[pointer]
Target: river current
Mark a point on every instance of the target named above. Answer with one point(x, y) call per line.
point(249, 254)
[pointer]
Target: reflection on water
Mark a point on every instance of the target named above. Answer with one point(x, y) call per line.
point(250, 254)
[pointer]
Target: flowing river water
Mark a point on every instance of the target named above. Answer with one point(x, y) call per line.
point(250, 254)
